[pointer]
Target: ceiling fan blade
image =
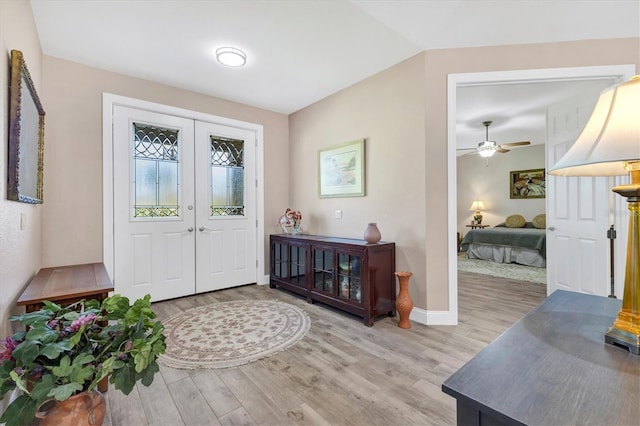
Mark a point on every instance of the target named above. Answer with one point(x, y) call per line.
point(502, 150)
point(466, 149)
point(507, 145)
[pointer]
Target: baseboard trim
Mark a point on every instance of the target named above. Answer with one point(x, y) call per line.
point(422, 316)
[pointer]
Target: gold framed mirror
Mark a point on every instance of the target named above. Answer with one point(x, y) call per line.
point(26, 136)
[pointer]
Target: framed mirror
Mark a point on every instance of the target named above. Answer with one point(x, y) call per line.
point(26, 135)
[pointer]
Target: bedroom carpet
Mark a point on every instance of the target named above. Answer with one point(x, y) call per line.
point(503, 270)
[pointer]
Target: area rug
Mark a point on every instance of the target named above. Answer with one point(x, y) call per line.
point(503, 270)
point(228, 334)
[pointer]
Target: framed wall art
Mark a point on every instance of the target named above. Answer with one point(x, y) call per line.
point(341, 170)
point(26, 136)
point(527, 184)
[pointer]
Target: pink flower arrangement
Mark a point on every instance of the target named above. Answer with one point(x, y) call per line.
point(290, 221)
point(7, 347)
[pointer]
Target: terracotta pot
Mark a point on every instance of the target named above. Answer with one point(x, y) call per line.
point(83, 409)
point(372, 234)
point(404, 304)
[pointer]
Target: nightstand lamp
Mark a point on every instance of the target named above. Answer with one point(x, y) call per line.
point(609, 145)
point(477, 205)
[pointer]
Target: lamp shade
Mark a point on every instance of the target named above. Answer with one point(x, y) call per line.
point(611, 137)
point(477, 205)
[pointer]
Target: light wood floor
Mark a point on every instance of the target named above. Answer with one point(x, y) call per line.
point(340, 373)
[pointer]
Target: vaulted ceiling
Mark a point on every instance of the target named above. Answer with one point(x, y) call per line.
point(300, 51)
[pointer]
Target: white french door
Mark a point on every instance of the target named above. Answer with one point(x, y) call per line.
point(184, 205)
point(154, 249)
point(226, 226)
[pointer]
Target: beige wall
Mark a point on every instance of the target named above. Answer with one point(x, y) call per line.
point(387, 110)
point(20, 250)
point(489, 181)
point(407, 187)
point(72, 95)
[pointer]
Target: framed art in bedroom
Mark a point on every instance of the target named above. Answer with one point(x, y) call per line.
point(527, 184)
point(341, 170)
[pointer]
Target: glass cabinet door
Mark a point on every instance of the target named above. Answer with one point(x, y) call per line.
point(289, 263)
point(298, 256)
point(349, 284)
point(280, 261)
point(323, 270)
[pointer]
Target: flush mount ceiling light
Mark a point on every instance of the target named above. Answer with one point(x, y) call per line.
point(231, 57)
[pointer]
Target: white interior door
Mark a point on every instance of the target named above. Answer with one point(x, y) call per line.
point(577, 209)
point(154, 235)
point(225, 208)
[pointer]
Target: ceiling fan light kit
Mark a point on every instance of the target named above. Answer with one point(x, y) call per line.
point(487, 148)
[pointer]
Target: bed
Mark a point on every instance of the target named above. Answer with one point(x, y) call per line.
point(526, 245)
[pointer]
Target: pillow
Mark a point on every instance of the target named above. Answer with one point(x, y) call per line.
point(515, 221)
point(540, 221)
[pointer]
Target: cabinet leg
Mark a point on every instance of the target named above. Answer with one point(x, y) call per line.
point(368, 320)
point(271, 285)
point(391, 313)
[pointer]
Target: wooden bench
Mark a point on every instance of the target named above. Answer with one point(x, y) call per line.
point(65, 285)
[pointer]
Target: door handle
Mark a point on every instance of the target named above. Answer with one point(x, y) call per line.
point(202, 229)
point(190, 229)
point(551, 228)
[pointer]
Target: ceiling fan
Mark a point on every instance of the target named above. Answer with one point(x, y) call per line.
point(487, 148)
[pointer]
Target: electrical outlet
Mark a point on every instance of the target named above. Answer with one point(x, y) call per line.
point(338, 214)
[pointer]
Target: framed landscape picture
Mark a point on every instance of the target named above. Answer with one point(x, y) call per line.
point(341, 170)
point(527, 184)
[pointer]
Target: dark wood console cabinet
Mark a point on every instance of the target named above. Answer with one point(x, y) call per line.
point(348, 274)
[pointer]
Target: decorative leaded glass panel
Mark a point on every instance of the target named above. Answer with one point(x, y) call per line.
point(227, 177)
point(155, 161)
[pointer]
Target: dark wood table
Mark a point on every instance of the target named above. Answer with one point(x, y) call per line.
point(552, 368)
point(65, 285)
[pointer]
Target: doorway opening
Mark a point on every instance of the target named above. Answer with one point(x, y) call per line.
point(456, 81)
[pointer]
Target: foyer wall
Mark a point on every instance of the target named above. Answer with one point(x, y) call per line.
point(387, 110)
point(20, 250)
point(72, 223)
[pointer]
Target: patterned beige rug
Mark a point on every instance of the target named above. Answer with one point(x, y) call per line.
point(229, 334)
point(503, 270)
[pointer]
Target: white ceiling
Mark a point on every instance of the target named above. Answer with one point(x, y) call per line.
point(517, 111)
point(300, 51)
